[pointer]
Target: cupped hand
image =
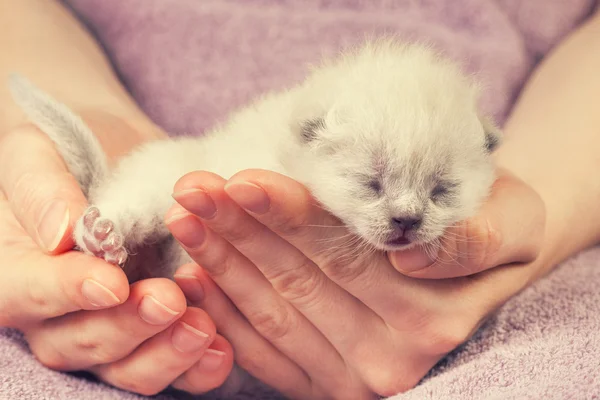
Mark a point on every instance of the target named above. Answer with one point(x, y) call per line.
point(309, 315)
point(78, 312)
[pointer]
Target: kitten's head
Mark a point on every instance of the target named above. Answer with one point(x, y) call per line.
point(390, 141)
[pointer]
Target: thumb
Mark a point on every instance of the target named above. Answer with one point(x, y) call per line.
point(509, 228)
point(44, 196)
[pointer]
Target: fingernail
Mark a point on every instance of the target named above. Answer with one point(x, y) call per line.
point(191, 287)
point(414, 259)
point(180, 214)
point(188, 231)
point(98, 295)
point(187, 339)
point(249, 196)
point(53, 224)
point(211, 360)
point(197, 201)
point(154, 312)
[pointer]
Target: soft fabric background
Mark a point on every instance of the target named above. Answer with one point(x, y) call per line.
point(190, 62)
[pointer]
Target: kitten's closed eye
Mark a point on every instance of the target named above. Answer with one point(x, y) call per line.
point(442, 190)
point(375, 186)
point(371, 183)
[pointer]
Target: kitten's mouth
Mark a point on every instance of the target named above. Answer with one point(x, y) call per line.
point(399, 242)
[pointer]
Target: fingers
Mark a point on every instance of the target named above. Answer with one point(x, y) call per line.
point(36, 287)
point(495, 237)
point(252, 351)
point(211, 371)
point(44, 197)
point(294, 217)
point(160, 360)
point(298, 280)
point(362, 339)
point(81, 340)
point(509, 228)
point(368, 277)
point(272, 316)
point(289, 212)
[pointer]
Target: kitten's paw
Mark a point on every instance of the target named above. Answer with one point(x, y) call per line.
point(99, 237)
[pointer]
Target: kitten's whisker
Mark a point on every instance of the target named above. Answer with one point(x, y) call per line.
point(322, 226)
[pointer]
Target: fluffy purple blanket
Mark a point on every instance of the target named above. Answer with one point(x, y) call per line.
point(189, 62)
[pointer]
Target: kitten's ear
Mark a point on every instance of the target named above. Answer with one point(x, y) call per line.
point(310, 129)
point(493, 135)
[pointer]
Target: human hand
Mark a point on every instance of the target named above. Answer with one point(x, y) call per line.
point(314, 320)
point(78, 312)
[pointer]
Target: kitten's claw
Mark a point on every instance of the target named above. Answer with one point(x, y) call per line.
point(103, 228)
point(112, 243)
point(100, 238)
point(90, 216)
point(117, 257)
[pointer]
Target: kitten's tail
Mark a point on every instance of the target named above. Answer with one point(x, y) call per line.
point(74, 140)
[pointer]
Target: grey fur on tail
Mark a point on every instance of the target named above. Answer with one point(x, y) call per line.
point(74, 140)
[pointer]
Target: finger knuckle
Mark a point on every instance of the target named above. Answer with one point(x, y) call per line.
point(274, 323)
point(298, 284)
point(383, 372)
point(52, 361)
point(31, 192)
point(49, 357)
point(237, 235)
point(344, 270)
point(26, 188)
point(48, 299)
point(39, 300)
point(290, 224)
point(24, 193)
point(438, 332)
point(442, 337)
point(94, 348)
point(388, 381)
point(94, 351)
point(217, 258)
point(481, 243)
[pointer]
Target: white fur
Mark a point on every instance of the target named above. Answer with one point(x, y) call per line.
point(392, 112)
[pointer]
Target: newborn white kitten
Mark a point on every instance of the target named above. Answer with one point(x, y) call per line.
point(387, 137)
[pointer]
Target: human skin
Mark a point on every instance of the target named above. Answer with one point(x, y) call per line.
point(558, 102)
point(78, 312)
point(317, 325)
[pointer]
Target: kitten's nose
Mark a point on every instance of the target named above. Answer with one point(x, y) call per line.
point(407, 223)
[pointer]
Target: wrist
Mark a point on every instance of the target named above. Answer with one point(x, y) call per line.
point(572, 223)
point(117, 134)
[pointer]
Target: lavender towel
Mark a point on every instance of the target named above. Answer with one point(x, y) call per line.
point(190, 62)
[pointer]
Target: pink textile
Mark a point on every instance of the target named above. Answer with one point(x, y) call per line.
point(190, 62)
